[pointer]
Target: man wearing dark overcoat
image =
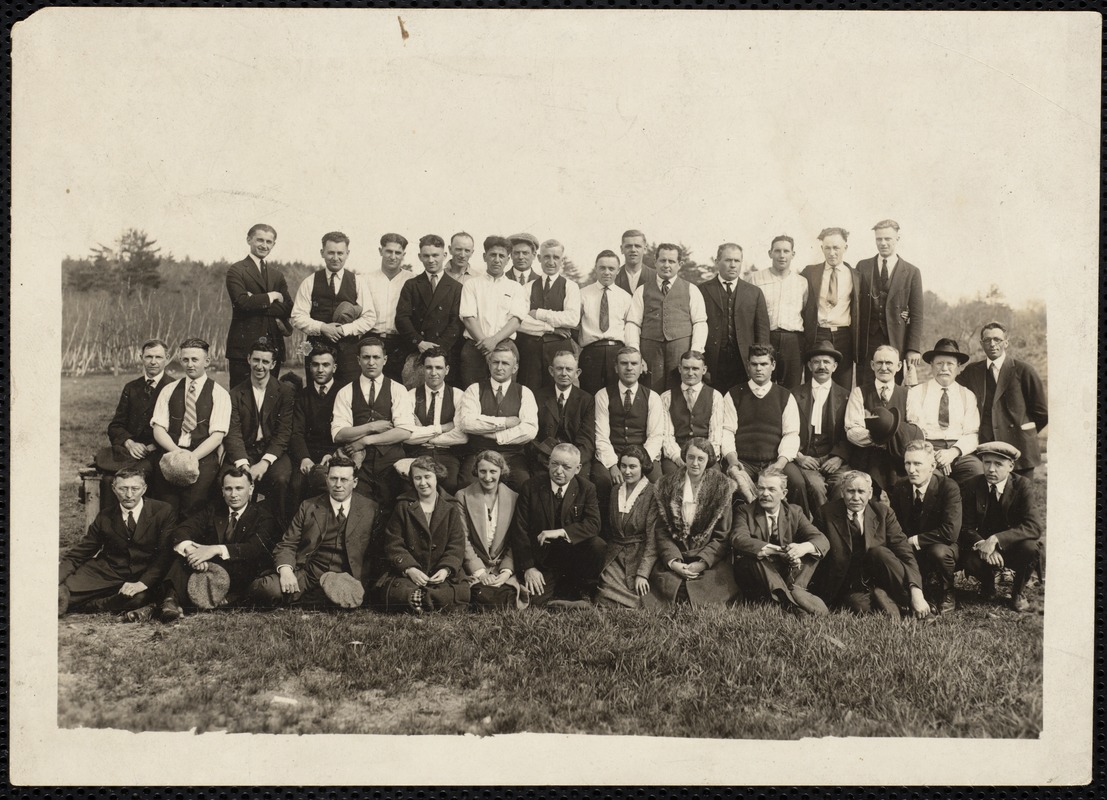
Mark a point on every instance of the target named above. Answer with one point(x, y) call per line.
point(260, 304)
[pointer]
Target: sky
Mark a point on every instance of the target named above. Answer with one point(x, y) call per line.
point(698, 128)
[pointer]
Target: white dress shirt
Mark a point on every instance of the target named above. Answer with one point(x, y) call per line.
point(785, 297)
point(492, 302)
point(655, 425)
point(964, 418)
point(301, 307)
point(136, 511)
point(432, 434)
point(856, 431)
point(819, 394)
point(688, 503)
point(618, 307)
point(995, 366)
point(669, 447)
point(472, 421)
point(837, 315)
point(546, 320)
point(385, 292)
point(697, 312)
point(220, 420)
point(789, 421)
point(403, 411)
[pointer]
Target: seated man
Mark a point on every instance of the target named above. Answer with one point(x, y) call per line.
point(823, 445)
point(261, 425)
point(323, 558)
point(777, 549)
point(555, 532)
point(1002, 527)
point(437, 433)
point(239, 538)
point(122, 557)
point(310, 446)
point(869, 562)
point(694, 410)
point(566, 414)
point(928, 507)
point(498, 413)
point(947, 413)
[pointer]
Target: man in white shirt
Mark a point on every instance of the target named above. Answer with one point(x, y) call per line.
point(524, 247)
point(634, 272)
point(437, 432)
point(834, 292)
point(492, 307)
point(554, 314)
point(461, 250)
point(787, 297)
point(384, 287)
point(603, 314)
point(692, 410)
point(318, 297)
point(947, 413)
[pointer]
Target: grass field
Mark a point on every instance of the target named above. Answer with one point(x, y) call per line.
point(747, 672)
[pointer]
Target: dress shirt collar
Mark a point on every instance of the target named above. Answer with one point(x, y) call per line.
point(429, 391)
point(733, 283)
point(919, 490)
point(1001, 487)
point(329, 386)
point(860, 517)
point(772, 516)
point(338, 275)
point(516, 274)
point(760, 391)
point(344, 505)
point(623, 388)
point(694, 389)
point(820, 387)
point(938, 387)
point(998, 362)
point(661, 281)
point(893, 260)
point(367, 383)
point(199, 382)
point(240, 511)
point(155, 380)
point(559, 392)
point(137, 510)
point(554, 487)
point(890, 386)
point(495, 383)
point(257, 262)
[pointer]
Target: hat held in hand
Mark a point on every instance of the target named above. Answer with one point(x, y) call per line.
point(345, 312)
point(208, 589)
point(343, 589)
point(882, 425)
point(180, 468)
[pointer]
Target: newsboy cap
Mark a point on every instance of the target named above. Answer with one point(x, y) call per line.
point(342, 589)
point(999, 449)
point(180, 467)
point(345, 312)
point(208, 589)
point(528, 238)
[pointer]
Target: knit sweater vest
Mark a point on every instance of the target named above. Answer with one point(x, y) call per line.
point(666, 317)
point(760, 428)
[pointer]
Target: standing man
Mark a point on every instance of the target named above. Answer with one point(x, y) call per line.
point(788, 300)
point(374, 415)
point(310, 446)
point(427, 312)
point(566, 415)
point(317, 302)
point(634, 272)
point(1010, 398)
point(693, 409)
point(603, 315)
point(437, 432)
point(835, 293)
point(260, 304)
point(928, 507)
point(461, 250)
point(261, 426)
point(824, 448)
point(554, 315)
point(492, 307)
point(666, 319)
point(891, 302)
point(737, 317)
point(193, 413)
point(947, 413)
point(524, 247)
point(384, 287)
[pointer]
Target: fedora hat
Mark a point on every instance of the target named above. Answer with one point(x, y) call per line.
point(208, 589)
point(113, 458)
point(345, 312)
point(823, 348)
point(946, 347)
point(883, 424)
point(180, 467)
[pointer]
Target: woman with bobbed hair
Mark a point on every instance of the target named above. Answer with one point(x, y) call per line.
point(488, 505)
point(424, 543)
point(688, 545)
point(624, 579)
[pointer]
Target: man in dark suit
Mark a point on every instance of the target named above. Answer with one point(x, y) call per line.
point(428, 311)
point(776, 548)
point(834, 300)
point(566, 414)
point(123, 556)
point(736, 318)
point(824, 448)
point(310, 445)
point(870, 562)
point(1010, 398)
point(260, 304)
point(329, 537)
point(239, 538)
point(928, 507)
point(261, 426)
point(555, 532)
point(1002, 527)
point(891, 303)
point(634, 271)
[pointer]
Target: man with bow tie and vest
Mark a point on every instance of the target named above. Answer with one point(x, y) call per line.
point(333, 307)
point(554, 315)
point(428, 312)
point(260, 304)
point(693, 409)
point(603, 314)
point(566, 415)
point(191, 414)
point(437, 432)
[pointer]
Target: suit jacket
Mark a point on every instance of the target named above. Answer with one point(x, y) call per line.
point(251, 542)
point(534, 513)
point(837, 400)
point(579, 420)
point(648, 274)
point(302, 538)
point(423, 316)
point(751, 320)
point(814, 275)
point(940, 522)
point(1018, 408)
point(255, 316)
point(905, 293)
point(1021, 519)
point(144, 557)
point(132, 414)
point(478, 555)
point(409, 541)
point(750, 533)
point(311, 425)
point(276, 420)
point(881, 530)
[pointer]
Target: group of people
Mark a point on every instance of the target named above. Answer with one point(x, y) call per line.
point(511, 439)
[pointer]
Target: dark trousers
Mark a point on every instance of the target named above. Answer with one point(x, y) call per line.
point(238, 370)
point(965, 468)
point(937, 563)
point(379, 480)
point(395, 594)
point(663, 360)
point(531, 362)
point(242, 575)
point(797, 490)
point(842, 339)
point(789, 357)
point(484, 597)
point(1022, 557)
point(571, 571)
point(266, 591)
point(187, 500)
point(516, 463)
point(473, 366)
point(109, 600)
point(273, 488)
point(772, 579)
point(729, 371)
point(448, 459)
point(880, 569)
point(597, 364)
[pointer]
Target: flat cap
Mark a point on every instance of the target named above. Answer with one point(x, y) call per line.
point(529, 238)
point(208, 589)
point(999, 449)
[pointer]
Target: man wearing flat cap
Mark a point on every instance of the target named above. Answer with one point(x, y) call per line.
point(824, 449)
point(524, 248)
point(1001, 525)
point(333, 305)
point(947, 412)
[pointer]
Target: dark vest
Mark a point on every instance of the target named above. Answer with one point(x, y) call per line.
point(666, 317)
point(445, 403)
point(872, 399)
point(381, 409)
point(510, 406)
point(878, 298)
point(317, 420)
point(626, 428)
point(691, 422)
point(759, 422)
point(553, 300)
point(204, 405)
point(324, 301)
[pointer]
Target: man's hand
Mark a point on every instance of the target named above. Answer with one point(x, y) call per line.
point(780, 463)
point(511, 422)
point(417, 576)
point(641, 586)
point(331, 331)
point(259, 469)
point(769, 550)
point(616, 476)
point(912, 357)
point(831, 465)
point(745, 485)
point(306, 466)
point(488, 579)
point(378, 426)
point(425, 346)
point(134, 449)
point(439, 576)
point(534, 581)
point(487, 344)
point(986, 546)
point(995, 559)
point(945, 458)
point(201, 554)
point(275, 297)
point(919, 604)
point(807, 462)
point(289, 584)
point(132, 588)
point(547, 536)
point(326, 459)
point(797, 550)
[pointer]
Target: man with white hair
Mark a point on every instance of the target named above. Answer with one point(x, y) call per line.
point(554, 313)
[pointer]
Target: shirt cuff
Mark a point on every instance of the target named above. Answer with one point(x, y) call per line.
point(242, 462)
point(224, 553)
point(179, 549)
point(269, 457)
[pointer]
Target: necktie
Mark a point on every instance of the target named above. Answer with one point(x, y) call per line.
point(131, 519)
point(688, 397)
point(994, 498)
point(372, 392)
point(626, 402)
point(605, 312)
point(884, 274)
point(774, 535)
point(558, 497)
point(854, 525)
point(499, 395)
point(884, 393)
point(188, 424)
point(231, 524)
point(665, 287)
point(334, 283)
point(560, 404)
point(264, 273)
point(729, 293)
point(341, 516)
point(992, 375)
point(832, 288)
point(323, 390)
point(522, 278)
point(149, 387)
point(918, 500)
point(431, 407)
point(943, 409)
point(549, 283)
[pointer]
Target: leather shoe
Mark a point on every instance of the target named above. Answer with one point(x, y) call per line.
point(1019, 603)
point(63, 599)
point(948, 604)
point(144, 614)
point(809, 603)
point(883, 603)
point(988, 587)
point(170, 610)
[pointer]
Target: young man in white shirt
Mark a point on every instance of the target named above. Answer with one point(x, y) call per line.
point(603, 315)
point(492, 307)
point(384, 287)
point(437, 432)
point(787, 297)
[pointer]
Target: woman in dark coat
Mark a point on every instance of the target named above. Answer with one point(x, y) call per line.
point(689, 532)
point(623, 581)
point(424, 543)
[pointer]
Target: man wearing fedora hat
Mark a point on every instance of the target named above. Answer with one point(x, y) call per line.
point(332, 305)
point(1001, 526)
point(947, 413)
point(823, 449)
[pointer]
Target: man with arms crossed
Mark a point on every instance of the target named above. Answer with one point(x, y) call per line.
point(554, 315)
point(260, 304)
point(491, 308)
point(437, 432)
